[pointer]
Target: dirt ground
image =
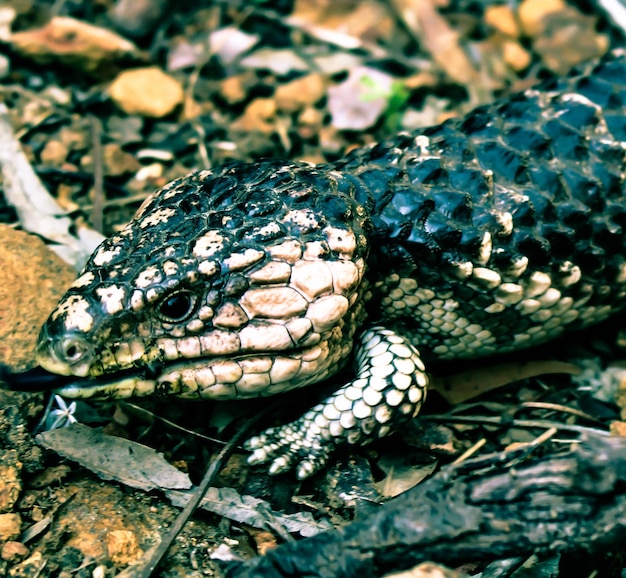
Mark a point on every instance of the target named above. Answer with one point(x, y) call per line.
point(110, 101)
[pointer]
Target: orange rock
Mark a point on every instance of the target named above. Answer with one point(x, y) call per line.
point(502, 19)
point(232, 89)
point(54, 153)
point(515, 55)
point(122, 547)
point(533, 12)
point(10, 526)
point(13, 552)
point(257, 116)
point(297, 94)
point(147, 92)
point(10, 480)
point(619, 428)
point(32, 280)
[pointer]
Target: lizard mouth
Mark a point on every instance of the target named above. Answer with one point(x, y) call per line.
point(242, 376)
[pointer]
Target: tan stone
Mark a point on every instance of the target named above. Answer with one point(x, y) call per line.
point(74, 43)
point(297, 94)
point(10, 484)
point(146, 91)
point(232, 89)
point(515, 55)
point(13, 551)
point(533, 12)
point(54, 153)
point(122, 547)
point(502, 19)
point(10, 526)
point(258, 116)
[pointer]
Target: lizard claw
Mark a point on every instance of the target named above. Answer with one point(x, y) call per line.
point(300, 442)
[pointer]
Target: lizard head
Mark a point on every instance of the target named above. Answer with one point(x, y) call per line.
point(239, 282)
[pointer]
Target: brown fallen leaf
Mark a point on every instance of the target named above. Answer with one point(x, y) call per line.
point(461, 387)
point(113, 458)
point(366, 20)
point(401, 475)
point(74, 43)
point(434, 33)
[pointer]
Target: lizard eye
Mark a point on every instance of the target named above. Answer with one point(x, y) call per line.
point(177, 306)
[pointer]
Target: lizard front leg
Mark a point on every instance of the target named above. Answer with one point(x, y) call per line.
point(388, 391)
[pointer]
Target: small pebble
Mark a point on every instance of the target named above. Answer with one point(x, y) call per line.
point(147, 92)
point(13, 552)
point(10, 526)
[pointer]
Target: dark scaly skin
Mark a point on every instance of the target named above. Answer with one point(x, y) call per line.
point(486, 234)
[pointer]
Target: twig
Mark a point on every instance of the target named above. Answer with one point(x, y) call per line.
point(560, 408)
point(519, 423)
point(150, 416)
point(97, 213)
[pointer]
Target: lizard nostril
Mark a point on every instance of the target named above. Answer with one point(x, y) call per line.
point(72, 350)
point(65, 354)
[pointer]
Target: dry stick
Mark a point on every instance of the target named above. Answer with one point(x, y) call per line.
point(518, 423)
point(151, 417)
point(98, 176)
point(153, 556)
point(561, 408)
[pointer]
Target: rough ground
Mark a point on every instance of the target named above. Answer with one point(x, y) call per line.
point(111, 100)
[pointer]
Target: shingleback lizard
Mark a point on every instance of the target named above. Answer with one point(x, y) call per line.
point(483, 235)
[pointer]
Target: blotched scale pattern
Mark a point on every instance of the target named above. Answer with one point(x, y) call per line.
point(273, 273)
point(485, 234)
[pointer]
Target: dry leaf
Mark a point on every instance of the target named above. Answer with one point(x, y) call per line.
point(359, 101)
point(113, 458)
point(467, 385)
point(438, 38)
point(74, 43)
